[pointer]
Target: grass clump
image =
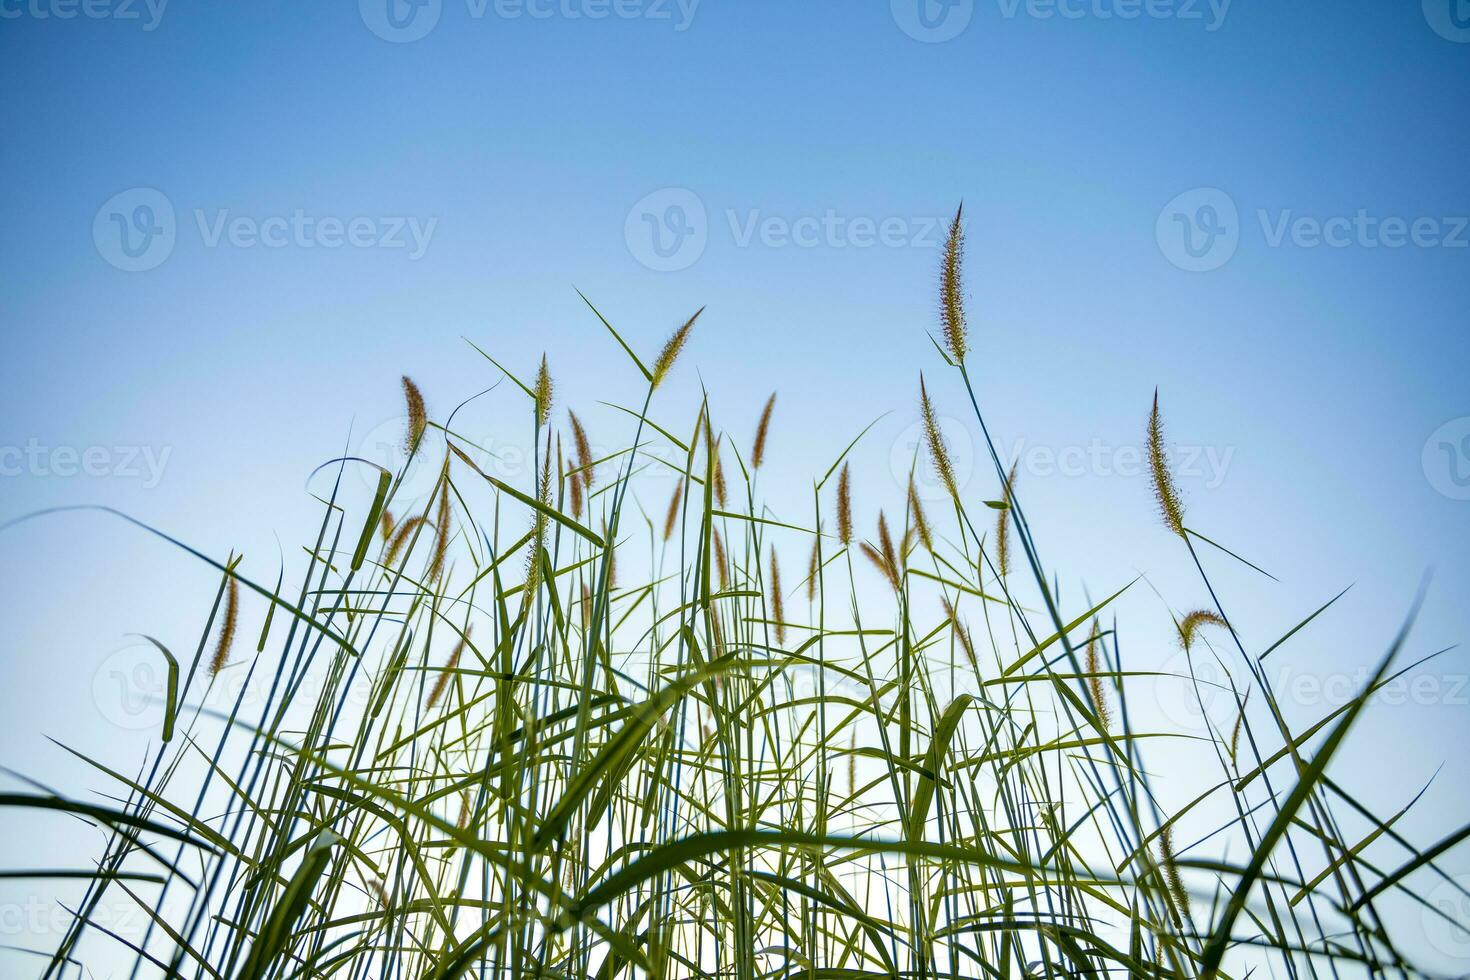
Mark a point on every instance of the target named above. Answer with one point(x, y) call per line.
point(521, 765)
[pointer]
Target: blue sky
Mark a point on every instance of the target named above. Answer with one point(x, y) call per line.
point(299, 153)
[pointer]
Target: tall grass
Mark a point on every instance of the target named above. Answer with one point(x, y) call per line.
point(484, 752)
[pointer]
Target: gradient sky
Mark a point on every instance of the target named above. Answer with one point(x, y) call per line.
point(534, 153)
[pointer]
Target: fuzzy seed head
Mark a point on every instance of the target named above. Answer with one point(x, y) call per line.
point(227, 628)
point(758, 451)
point(1165, 493)
point(543, 393)
point(671, 350)
point(951, 290)
point(938, 450)
point(844, 506)
point(418, 416)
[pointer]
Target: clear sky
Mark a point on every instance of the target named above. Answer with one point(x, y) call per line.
point(229, 228)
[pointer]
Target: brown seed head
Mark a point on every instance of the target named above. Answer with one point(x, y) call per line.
point(418, 417)
point(758, 451)
point(938, 451)
point(1165, 493)
point(844, 506)
point(671, 350)
point(951, 290)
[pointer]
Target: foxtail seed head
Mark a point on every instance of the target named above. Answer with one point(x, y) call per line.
point(844, 506)
point(543, 393)
point(1165, 492)
point(951, 290)
point(227, 627)
point(758, 451)
point(418, 416)
point(938, 451)
point(671, 350)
